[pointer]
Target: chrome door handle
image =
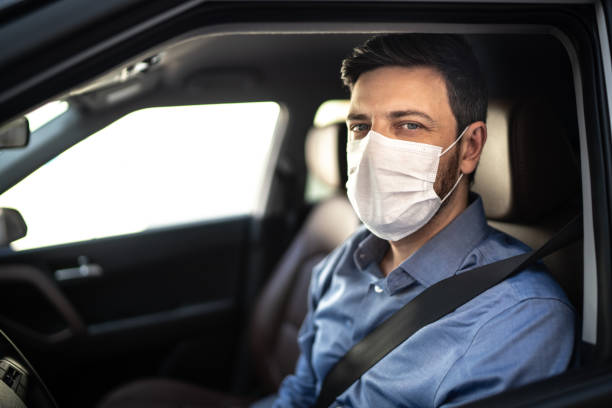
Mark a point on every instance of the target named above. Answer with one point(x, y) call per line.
point(84, 270)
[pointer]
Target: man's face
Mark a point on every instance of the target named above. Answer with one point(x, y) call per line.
point(407, 104)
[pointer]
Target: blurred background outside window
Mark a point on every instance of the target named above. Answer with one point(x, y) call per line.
point(152, 168)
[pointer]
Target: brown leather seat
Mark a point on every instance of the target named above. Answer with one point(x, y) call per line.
point(282, 304)
point(529, 180)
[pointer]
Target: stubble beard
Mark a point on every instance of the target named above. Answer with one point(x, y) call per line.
point(448, 176)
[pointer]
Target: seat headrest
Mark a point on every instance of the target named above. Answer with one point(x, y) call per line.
point(528, 167)
point(326, 154)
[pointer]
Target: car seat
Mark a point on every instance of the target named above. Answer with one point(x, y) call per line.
point(529, 180)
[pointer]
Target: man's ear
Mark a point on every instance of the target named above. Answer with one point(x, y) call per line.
point(471, 146)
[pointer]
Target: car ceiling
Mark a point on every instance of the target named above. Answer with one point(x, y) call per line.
point(240, 67)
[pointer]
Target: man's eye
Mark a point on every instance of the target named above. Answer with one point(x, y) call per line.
point(359, 127)
point(411, 126)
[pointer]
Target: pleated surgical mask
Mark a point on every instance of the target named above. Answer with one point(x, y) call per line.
point(391, 183)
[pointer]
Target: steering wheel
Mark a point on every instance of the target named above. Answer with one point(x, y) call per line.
point(20, 385)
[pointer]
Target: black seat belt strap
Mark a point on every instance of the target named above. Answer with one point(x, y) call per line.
point(429, 306)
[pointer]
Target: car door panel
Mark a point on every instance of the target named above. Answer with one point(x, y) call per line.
point(170, 281)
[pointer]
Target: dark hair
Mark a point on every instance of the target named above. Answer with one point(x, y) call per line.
point(449, 54)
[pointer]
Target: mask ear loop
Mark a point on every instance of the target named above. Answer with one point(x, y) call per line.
point(452, 189)
point(461, 175)
point(455, 142)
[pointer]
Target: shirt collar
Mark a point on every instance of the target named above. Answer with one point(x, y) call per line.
point(441, 256)
point(370, 249)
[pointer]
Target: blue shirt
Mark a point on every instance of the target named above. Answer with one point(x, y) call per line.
point(518, 331)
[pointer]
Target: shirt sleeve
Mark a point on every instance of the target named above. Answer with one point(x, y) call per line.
point(300, 388)
point(530, 340)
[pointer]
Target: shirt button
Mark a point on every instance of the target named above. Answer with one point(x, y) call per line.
point(378, 289)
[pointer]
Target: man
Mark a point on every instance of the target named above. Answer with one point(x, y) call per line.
point(416, 132)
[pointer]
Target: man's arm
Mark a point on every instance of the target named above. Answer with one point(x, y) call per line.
point(530, 340)
point(299, 389)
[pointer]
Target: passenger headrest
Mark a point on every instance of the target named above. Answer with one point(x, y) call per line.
point(528, 167)
point(326, 154)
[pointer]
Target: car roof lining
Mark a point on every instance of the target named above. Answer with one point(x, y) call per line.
point(250, 64)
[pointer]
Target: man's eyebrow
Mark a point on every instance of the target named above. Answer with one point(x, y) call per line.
point(394, 115)
point(401, 114)
point(357, 116)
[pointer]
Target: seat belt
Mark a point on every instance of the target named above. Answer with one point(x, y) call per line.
point(429, 306)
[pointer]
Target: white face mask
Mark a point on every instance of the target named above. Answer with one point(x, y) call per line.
point(391, 183)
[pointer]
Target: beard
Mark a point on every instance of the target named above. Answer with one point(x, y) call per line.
point(448, 175)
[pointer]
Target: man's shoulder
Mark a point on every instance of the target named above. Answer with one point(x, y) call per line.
point(533, 291)
point(533, 283)
point(498, 245)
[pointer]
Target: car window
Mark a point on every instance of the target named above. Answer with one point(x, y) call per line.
point(154, 167)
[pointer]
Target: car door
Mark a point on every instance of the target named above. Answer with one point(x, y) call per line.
point(139, 246)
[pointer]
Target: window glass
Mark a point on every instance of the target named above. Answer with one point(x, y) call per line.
point(154, 167)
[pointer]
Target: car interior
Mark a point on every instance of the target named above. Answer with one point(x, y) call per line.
point(211, 309)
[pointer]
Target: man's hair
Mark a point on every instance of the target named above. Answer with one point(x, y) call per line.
point(448, 54)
